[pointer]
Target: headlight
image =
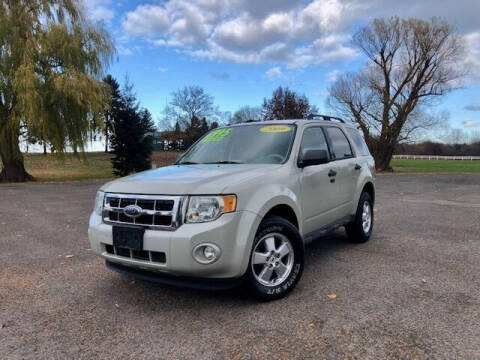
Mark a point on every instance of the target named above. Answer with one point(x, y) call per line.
point(98, 206)
point(209, 208)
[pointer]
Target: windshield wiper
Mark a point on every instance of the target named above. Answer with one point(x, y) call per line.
point(187, 163)
point(225, 162)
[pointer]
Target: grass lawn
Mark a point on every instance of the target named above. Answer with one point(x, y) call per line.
point(435, 166)
point(51, 168)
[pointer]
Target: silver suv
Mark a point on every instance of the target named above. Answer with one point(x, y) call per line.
point(239, 205)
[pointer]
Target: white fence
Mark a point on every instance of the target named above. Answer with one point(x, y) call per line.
point(435, 157)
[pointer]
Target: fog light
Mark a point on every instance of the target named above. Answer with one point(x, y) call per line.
point(209, 252)
point(206, 253)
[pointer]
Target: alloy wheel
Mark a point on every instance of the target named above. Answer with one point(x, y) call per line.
point(272, 259)
point(366, 217)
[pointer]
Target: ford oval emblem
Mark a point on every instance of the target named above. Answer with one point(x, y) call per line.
point(133, 211)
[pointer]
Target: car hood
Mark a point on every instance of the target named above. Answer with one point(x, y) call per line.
point(188, 179)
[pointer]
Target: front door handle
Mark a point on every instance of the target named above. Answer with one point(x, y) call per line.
point(357, 167)
point(332, 173)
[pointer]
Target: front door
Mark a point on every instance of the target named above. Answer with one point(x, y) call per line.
point(318, 191)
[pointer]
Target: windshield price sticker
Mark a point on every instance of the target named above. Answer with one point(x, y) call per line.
point(275, 128)
point(216, 135)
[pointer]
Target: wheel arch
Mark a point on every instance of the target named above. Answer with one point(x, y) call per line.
point(284, 211)
point(370, 189)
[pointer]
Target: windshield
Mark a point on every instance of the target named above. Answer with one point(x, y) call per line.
point(249, 144)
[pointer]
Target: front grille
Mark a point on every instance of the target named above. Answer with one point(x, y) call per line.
point(157, 211)
point(151, 256)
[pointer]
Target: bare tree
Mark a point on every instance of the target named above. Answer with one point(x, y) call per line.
point(189, 103)
point(454, 136)
point(224, 118)
point(410, 63)
point(423, 124)
point(475, 137)
point(246, 113)
point(189, 114)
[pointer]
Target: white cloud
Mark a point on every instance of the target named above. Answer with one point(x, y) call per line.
point(471, 123)
point(124, 50)
point(147, 19)
point(333, 75)
point(99, 10)
point(322, 15)
point(280, 31)
point(274, 73)
point(280, 23)
point(162, 69)
point(294, 33)
point(472, 58)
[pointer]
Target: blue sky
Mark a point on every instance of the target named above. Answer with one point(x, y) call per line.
point(240, 50)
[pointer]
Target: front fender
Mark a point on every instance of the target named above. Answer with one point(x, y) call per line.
point(264, 198)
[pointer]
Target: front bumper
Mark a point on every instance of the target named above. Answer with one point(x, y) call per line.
point(183, 281)
point(233, 233)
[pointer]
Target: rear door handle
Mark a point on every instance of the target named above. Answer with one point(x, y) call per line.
point(332, 173)
point(357, 167)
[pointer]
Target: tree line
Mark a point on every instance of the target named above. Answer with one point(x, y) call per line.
point(51, 88)
point(437, 148)
point(191, 113)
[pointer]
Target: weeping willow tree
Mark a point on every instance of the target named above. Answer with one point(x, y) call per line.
point(51, 63)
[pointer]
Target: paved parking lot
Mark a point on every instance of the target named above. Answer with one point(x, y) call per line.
point(412, 292)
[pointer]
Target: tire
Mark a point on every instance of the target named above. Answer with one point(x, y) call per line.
point(360, 230)
point(275, 267)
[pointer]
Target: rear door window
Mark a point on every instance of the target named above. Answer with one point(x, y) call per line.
point(341, 148)
point(359, 142)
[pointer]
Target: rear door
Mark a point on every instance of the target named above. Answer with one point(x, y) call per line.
point(318, 193)
point(343, 163)
point(362, 154)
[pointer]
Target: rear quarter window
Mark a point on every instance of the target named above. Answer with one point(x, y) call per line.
point(359, 142)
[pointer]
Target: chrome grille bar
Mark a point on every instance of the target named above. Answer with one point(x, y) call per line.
point(144, 212)
point(167, 218)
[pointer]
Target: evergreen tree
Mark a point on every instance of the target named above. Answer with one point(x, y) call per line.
point(194, 130)
point(113, 108)
point(131, 140)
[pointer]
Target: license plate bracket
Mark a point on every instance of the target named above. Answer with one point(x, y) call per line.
point(128, 237)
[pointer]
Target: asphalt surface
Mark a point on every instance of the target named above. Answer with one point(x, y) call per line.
point(412, 292)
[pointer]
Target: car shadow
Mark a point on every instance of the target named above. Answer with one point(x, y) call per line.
point(326, 245)
point(130, 290)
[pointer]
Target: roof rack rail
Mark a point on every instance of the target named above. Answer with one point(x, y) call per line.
point(324, 117)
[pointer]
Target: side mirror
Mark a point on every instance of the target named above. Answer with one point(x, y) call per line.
point(311, 157)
